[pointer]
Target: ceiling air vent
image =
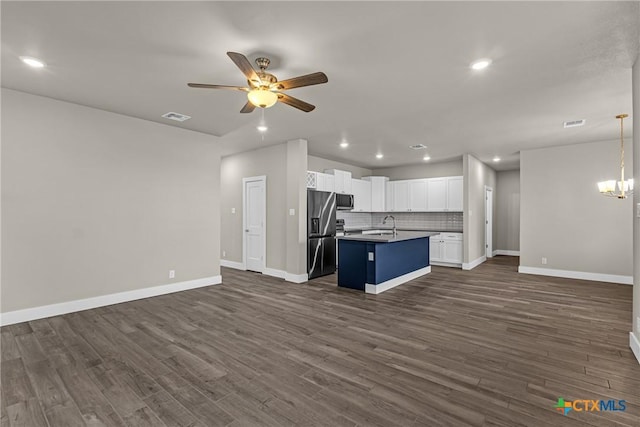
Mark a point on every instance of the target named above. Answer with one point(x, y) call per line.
point(176, 116)
point(418, 147)
point(574, 123)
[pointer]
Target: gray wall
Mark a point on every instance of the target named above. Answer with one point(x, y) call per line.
point(269, 161)
point(318, 164)
point(565, 219)
point(636, 198)
point(95, 203)
point(477, 176)
point(508, 210)
point(426, 170)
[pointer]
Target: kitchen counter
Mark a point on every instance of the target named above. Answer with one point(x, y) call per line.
point(376, 263)
point(357, 229)
point(390, 237)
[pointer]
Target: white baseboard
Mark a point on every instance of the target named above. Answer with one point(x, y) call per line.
point(385, 286)
point(28, 314)
point(507, 252)
point(274, 273)
point(634, 343)
point(296, 278)
point(494, 253)
point(232, 264)
point(445, 264)
point(598, 277)
point(473, 264)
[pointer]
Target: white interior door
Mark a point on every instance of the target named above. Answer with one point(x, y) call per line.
point(488, 221)
point(254, 208)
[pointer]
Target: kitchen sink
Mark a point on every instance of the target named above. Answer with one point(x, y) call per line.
point(377, 232)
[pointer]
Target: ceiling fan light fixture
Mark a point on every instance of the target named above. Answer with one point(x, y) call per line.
point(262, 98)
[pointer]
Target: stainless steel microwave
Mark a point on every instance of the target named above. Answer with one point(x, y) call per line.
point(344, 202)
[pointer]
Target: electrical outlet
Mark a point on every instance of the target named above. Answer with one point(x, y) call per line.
point(371, 256)
point(292, 212)
point(172, 274)
point(638, 324)
point(544, 261)
point(224, 254)
point(233, 210)
point(638, 210)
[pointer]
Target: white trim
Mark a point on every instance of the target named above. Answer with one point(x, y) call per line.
point(583, 275)
point(392, 283)
point(263, 179)
point(494, 253)
point(507, 252)
point(28, 314)
point(296, 278)
point(274, 273)
point(634, 343)
point(446, 264)
point(488, 251)
point(232, 264)
point(473, 264)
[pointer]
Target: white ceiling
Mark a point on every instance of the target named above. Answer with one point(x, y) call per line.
point(398, 72)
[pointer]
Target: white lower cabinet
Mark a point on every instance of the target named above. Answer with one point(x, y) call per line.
point(446, 249)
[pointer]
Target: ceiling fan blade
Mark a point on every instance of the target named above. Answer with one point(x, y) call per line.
point(306, 80)
point(248, 107)
point(206, 86)
point(243, 63)
point(295, 102)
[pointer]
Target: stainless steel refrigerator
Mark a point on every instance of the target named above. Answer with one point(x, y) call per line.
point(321, 233)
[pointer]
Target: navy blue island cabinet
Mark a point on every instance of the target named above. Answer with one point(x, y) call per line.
point(376, 263)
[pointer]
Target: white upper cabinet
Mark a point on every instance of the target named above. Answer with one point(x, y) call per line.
point(400, 196)
point(418, 195)
point(437, 194)
point(361, 195)
point(454, 194)
point(378, 192)
point(388, 197)
point(325, 182)
point(342, 181)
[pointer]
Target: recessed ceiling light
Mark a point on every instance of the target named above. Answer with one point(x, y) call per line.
point(32, 62)
point(480, 64)
point(344, 144)
point(176, 116)
point(426, 158)
point(496, 159)
point(262, 128)
point(379, 156)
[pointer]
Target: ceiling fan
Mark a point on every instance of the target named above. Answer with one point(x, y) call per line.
point(264, 88)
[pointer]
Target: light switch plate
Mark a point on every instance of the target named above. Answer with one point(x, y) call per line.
point(292, 212)
point(638, 210)
point(233, 210)
point(371, 256)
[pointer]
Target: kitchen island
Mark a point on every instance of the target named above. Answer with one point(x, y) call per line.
point(375, 263)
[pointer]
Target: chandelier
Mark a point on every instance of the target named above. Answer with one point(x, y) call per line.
point(624, 188)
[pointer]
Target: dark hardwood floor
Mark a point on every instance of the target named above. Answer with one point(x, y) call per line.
point(487, 347)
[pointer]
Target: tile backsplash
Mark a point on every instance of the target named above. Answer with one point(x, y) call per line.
point(427, 220)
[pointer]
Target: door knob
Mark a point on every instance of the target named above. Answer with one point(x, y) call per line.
point(246, 230)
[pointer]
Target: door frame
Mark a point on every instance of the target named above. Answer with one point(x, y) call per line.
point(488, 225)
point(263, 179)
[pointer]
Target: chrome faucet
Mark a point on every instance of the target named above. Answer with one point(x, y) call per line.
point(384, 221)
